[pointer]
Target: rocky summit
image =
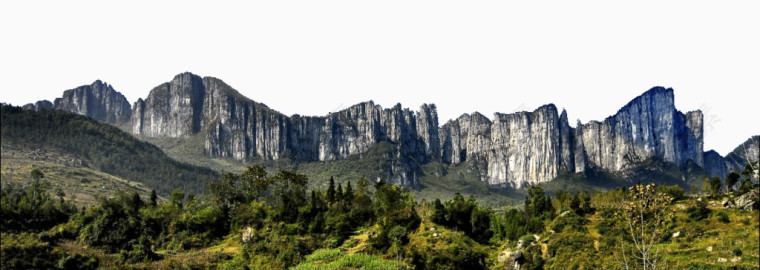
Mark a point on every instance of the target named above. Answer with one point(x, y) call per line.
point(510, 150)
point(98, 101)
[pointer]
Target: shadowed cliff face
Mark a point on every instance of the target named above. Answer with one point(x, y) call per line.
point(510, 150)
point(716, 165)
point(649, 126)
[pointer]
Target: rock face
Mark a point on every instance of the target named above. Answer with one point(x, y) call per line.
point(98, 101)
point(237, 127)
point(510, 150)
point(39, 105)
point(532, 147)
point(649, 126)
point(716, 165)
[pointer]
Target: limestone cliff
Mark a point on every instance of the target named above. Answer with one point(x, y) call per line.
point(649, 126)
point(532, 147)
point(510, 150)
point(237, 127)
point(98, 101)
point(716, 165)
point(39, 105)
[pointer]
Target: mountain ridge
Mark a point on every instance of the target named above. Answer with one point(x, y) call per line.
point(511, 150)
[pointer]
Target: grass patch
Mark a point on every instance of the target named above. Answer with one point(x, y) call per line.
point(337, 259)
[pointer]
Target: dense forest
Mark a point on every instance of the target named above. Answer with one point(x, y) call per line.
point(104, 147)
point(258, 220)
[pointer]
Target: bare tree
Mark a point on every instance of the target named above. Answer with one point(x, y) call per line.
point(645, 213)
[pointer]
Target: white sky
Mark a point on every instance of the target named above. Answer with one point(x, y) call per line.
point(313, 57)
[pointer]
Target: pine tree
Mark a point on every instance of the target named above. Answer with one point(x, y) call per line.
point(153, 198)
point(348, 195)
point(331, 190)
point(339, 193)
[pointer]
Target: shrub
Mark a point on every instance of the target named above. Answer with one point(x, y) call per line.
point(699, 211)
point(737, 251)
point(723, 217)
point(527, 240)
point(674, 191)
point(570, 221)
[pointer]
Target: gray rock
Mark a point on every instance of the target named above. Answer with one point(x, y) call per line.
point(512, 150)
point(726, 203)
point(746, 201)
point(39, 105)
point(648, 126)
point(237, 127)
point(98, 101)
point(715, 164)
point(247, 234)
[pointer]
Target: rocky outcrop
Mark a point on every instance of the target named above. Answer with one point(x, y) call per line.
point(748, 201)
point(510, 150)
point(649, 126)
point(98, 101)
point(525, 147)
point(716, 165)
point(39, 105)
point(746, 152)
point(237, 127)
point(533, 147)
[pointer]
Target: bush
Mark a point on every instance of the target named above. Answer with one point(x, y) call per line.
point(24, 251)
point(78, 261)
point(699, 211)
point(570, 221)
point(737, 251)
point(723, 217)
point(674, 191)
point(527, 240)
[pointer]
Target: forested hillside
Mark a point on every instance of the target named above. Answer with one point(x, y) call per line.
point(258, 220)
point(102, 147)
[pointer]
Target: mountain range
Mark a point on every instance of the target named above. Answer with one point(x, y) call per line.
point(511, 150)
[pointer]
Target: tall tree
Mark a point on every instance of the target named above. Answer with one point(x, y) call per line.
point(348, 195)
point(331, 190)
point(255, 183)
point(731, 180)
point(153, 198)
point(645, 214)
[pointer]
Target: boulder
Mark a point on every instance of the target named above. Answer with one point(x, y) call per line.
point(727, 203)
point(247, 234)
point(747, 201)
point(676, 234)
point(511, 259)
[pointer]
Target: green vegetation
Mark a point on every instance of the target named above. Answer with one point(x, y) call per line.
point(102, 147)
point(66, 180)
point(275, 217)
point(337, 259)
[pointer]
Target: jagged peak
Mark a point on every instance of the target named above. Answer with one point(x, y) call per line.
point(547, 108)
point(477, 116)
point(427, 106)
point(651, 94)
point(698, 112)
point(186, 74)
